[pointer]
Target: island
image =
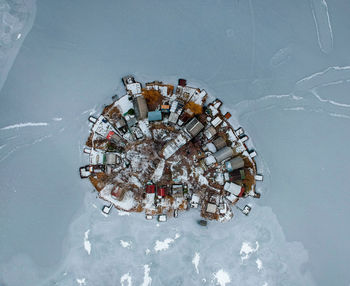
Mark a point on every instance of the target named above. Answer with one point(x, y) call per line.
point(161, 149)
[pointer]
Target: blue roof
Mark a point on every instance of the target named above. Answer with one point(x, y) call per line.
point(154, 115)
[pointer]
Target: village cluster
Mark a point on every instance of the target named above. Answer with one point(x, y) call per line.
point(162, 149)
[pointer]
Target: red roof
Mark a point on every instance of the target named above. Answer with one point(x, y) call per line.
point(161, 192)
point(150, 189)
point(182, 82)
point(241, 193)
point(109, 135)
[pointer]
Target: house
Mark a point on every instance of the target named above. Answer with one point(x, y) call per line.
point(223, 154)
point(102, 127)
point(113, 137)
point(227, 115)
point(165, 108)
point(177, 191)
point(154, 116)
point(140, 107)
point(216, 121)
point(161, 192)
point(239, 131)
point(92, 119)
point(210, 132)
point(194, 201)
point(258, 177)
point(219, 143)
point(194, 127)
point(130, 120)
point(211, 208)
point(173, 117)
point(185, 117)
point(131, 85)
point(107, 209)
point(84, 172)
point(162, 218)
point(111, 158)
point(150, 188)
point(234, 164)
point(236, 175)
point(234, 189)
point(252, 154)
point(182, 82)
point(120, 123)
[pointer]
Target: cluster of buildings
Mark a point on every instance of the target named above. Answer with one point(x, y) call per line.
point(162, 149)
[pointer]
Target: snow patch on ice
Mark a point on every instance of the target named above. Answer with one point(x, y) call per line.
point(87, 244)
point(147, 280)
point(126, 278)
point(81, 281)
point(259, 264)
point(57, 118)
point(195, 261)
point(26, 124)
point(222, 277)
point(247, 250)
point(125, 244)
point(164, 245)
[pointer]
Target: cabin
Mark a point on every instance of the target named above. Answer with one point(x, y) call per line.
point(177, 191)
point(234, 189)
point(162, 218)
point(223, 154)
point(216, 121)
point(182, 82)
point(210, 132)
point(219, 143)
point(154, 116)
point(211, 208)
point(161, 192)
point(106, 209)
point(140, 107)
point(234, 164)
point(194, 127)
point(194, 201)
point(150, 189)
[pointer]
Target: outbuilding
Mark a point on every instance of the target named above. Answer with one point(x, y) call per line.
point(234, 164)
point(223, 154)
point(194, 127)
point(154, 116)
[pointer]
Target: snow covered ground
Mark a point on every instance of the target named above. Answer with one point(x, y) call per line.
point(282, 70)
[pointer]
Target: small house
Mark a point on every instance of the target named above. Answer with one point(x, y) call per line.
point(165, 108)
point(149, 217)
point(107, 209)
point(223, 154)
point(219, 143)
point(234, 164)
point(154, 116)
point(211, 208)
point(194, 127)
point(182, 82)
point(177, 191)
point(194, 201)
point(150, 189)
point(216, 121)
point(227, 115)
point(120, 123)
point(140, 107)
point(161, 192)
point(239, 131)
point(244, 138)
point(162, 218)
point(258, 177)
point(210, 132)
point(173, 117)
point(234, 189)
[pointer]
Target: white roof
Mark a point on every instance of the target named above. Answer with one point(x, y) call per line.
point(195, 199)
point(102, 127)
point(216, 121)
point(162, 218)
point(124, 104)
point(135, 87)
point(232, 188)
point(210, 160)
point(169, 150)
point(173, 117)
point(211, 208)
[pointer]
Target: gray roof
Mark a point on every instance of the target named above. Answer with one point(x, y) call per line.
point(140, 106)
point(234, 164)
point(219, 143)
point(194, 127)
point(223, 154)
